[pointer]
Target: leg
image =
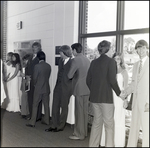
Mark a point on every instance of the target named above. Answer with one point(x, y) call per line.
point(96, 130)
point(56, 107)
point(134, 128)
point(145, 129)
point(45, 100)
point(64, 112)
point(36, 100)
point(30, 99)
point(39, 111)
point(108, 118)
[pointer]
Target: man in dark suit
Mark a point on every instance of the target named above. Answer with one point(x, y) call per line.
point(29, 73)
point(101, 79)
point(41, 75)
point(62, 91)
point(78, 71)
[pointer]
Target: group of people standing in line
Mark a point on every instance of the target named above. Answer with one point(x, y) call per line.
point(103, 82)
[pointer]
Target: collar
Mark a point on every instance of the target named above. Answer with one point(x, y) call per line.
point(41, 61)
point(66, 60)
point(144, 59)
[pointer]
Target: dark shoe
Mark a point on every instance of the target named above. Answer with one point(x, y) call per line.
point(24, 116)
point(75, 138)
point(29, 125)
point(50, 129)
point(58, 130)
point(38, 119)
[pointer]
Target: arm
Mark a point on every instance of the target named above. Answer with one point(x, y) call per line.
point(72, 70)
point(89, 77)
point(125, 79)
point(112, 71)
point(128, 90)
point(15, 73)
point(35, 75)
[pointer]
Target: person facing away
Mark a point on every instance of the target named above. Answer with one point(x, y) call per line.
point(119, 112)
point(139, 86)
point(78, 72)
point(24, 83)
point(12, 80)
point(62, 91)
point(36, 47)
point(41, 76)
point(101, 80)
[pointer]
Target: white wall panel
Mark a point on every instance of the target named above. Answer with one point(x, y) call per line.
point(51, 21)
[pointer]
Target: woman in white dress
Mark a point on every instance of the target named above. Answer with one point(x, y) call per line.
point(119, 113)
point(3, 93)
point(13, 70)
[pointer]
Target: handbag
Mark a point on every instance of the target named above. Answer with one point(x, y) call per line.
point(130, 103)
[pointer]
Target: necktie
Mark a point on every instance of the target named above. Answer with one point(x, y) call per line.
point(140, 67)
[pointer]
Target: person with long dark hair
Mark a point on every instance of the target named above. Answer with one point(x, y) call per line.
point(12, 82)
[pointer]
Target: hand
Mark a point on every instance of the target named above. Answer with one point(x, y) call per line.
point(146, 107)
point(22, 74)
point(122, 95)
point(125, 103)
point(28, 78)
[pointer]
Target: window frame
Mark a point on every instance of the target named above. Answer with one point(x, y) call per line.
point(119, 33)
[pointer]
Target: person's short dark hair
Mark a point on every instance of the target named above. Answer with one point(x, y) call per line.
point(66, 50)
point(36, 44)
point(77, 46)
point(41, 55)
point(141, 43)
point(104, 46)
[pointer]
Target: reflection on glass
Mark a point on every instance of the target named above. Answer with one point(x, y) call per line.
point(91, 51)
point(136, 14)
point(130, 54)
point(101, 16)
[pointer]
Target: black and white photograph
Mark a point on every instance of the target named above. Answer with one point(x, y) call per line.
point(74, 74)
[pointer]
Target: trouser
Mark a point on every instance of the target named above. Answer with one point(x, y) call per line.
point(81, 116)
point(103, 114)
point(139, 118)
point(64, 108)
point(36, 100)
point(30, 103)
point(56, 106)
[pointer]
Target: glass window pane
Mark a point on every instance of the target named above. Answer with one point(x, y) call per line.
point(136, 14)
point(101, 16)
point(130, 55)
point(92, 52)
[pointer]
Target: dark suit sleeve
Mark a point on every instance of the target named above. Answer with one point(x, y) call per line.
point(35, 75)
point(112, 76)
point(89, 77)
point(73, 69)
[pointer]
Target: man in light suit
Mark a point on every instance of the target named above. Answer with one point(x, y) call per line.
point(101, 80)
point(41, 75)
point(140, 89)
point(78, 71)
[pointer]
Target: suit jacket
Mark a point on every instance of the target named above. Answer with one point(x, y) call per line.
point(30, 67)
point(139, 85)
point(101, 79)
point(78, 71)
point(66, 82)
point(41, 75)
point(60, 72)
